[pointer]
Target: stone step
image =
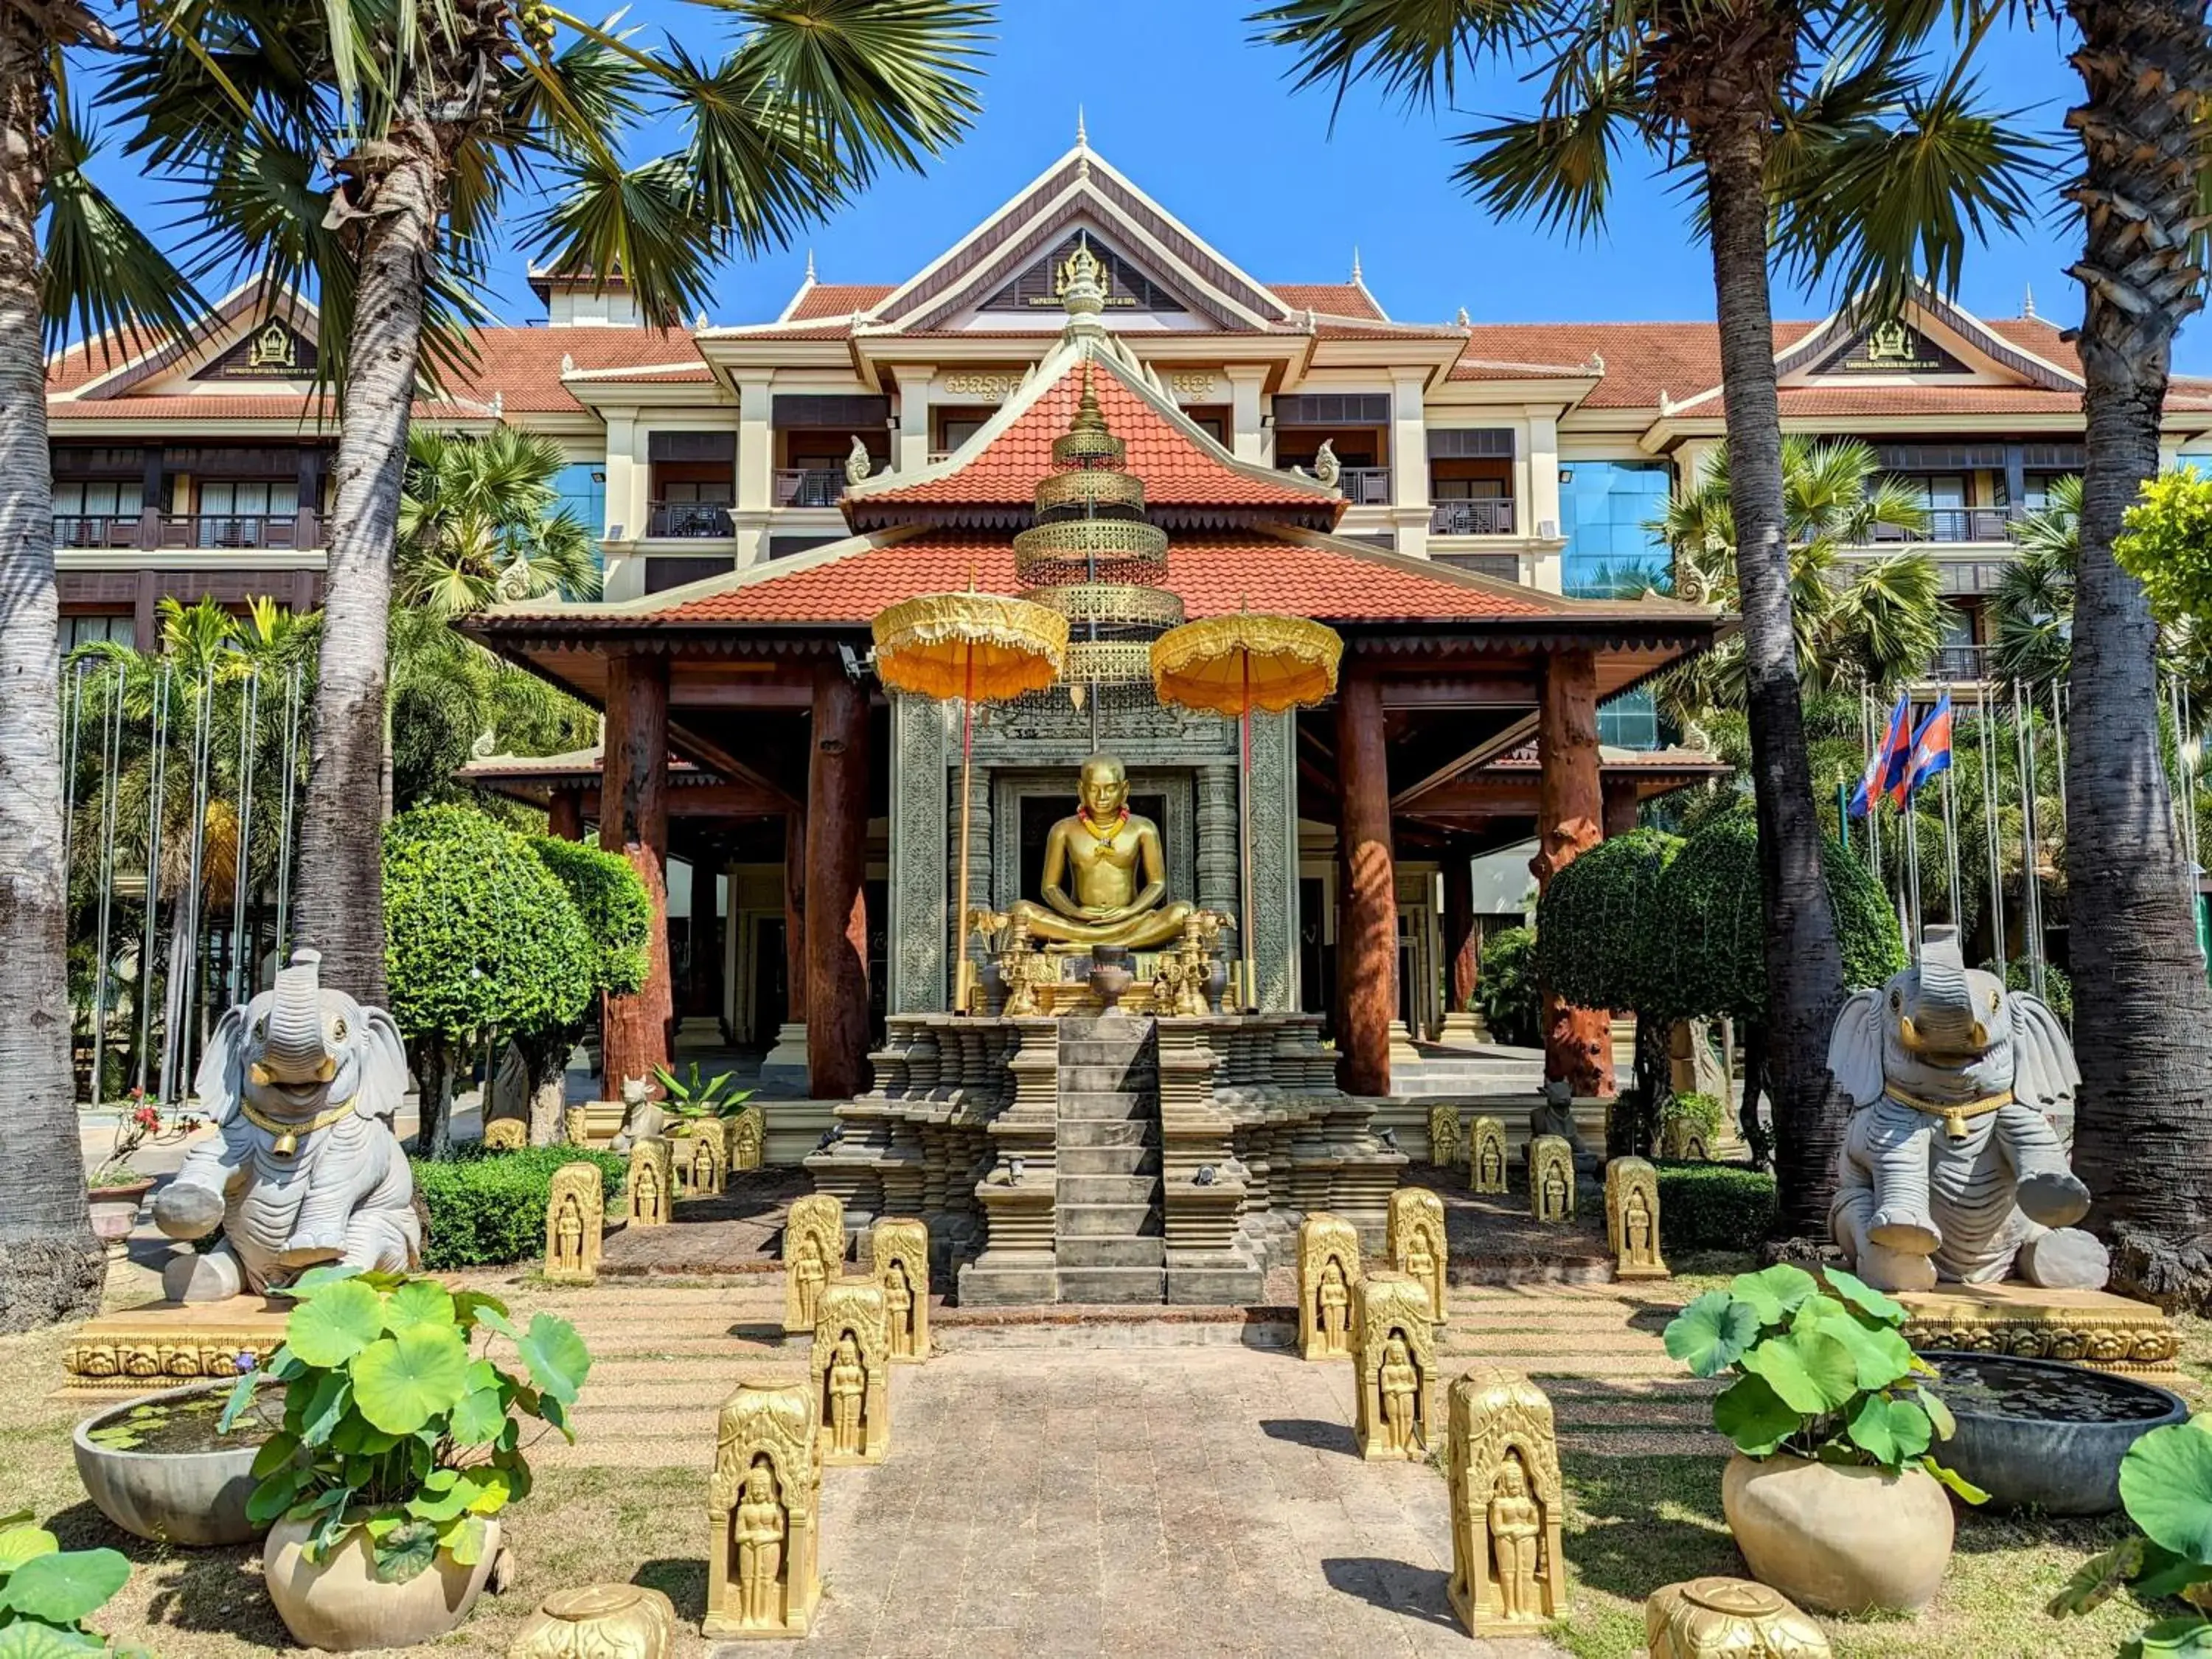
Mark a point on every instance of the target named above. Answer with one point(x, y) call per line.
point(1107, 1188)
point(1110, 1252)
point(1111, 1051)
point(1105, 1220)
point(1133, 1078)
point(1131, 1159)
point(1104, 1106)
point(1086, 1132)
point(1112, 1284)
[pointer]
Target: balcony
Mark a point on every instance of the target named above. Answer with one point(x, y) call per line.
point(1364, 486)
point(278, 532)
point(1505, 567)
point(688, 520)
point(1957, 524)
point(1489, 515)
point(1960, 662)
point(809, 486)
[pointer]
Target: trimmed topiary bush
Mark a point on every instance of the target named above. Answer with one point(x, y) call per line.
point(479, 938)
point(488, 1208)
point(1506, 987)
point(1714, 1206)
point(617, 912)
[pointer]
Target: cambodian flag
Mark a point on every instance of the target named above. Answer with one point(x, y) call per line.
point(1887, 764)
point(1931, 751)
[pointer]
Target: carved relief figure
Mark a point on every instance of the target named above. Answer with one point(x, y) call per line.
point(748, 1134)
point(898, 1309)
point(1550, 1179)
point(651, 1167)
point(1502, 1467)
point(1400, 1382)
point(306, 1171)
point(899, 1247)
point(1954, 1166)
point(703, 1159)
point(1444, 1135)
point(852, 1372)
point(1394, 1346)
point(1631, 1219)
point(1485, 1156)
point(848, 1384)
point(762, 1577)
point(1416, 1240)
point(813, 1249)
point(575, 1223)
point(1112, 860)
point(506, 1134)
point(1329, 1267)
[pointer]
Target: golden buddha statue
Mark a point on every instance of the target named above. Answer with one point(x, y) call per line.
point(1111, 859)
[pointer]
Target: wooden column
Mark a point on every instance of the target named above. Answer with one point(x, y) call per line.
point(634, 818)
point(1367, 928)
point(836, 907)
point(1619, 807)
point(564, 815)
point(1462, 945)
point(794, 918)
point(1569, 817)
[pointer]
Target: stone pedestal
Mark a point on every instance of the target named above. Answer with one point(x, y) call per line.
point(813, 1254)
point(898, 1249)
point(1464, 1028)
point(783, 1072)
point(1394, 1350)
point(763, 1578)
point(166, 1343)
point(851, 1366)
point(2091, 1327)
point(1631, 1219)
point(575, 1223)
point(1502, 1470)
point(1416, 1243)
point(1328, 1272)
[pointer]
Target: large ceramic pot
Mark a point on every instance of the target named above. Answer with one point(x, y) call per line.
point(340, 1604)
point(2043, 1434)
point(1840, 1539)
point(115, 1211)
point(171, 1498)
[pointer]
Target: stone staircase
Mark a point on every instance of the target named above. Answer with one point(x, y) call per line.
point(1108, 1235)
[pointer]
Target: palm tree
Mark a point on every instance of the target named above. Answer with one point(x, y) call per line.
point(2034, 606)
point(1828, 150)
point(1858, 623)
point(91, 270)
point(367, 149)
point(478, 522)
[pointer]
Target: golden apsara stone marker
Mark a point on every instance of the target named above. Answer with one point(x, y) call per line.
point(1417, 1243)
point(1631, 1219)
point(763, 1501)
point(1394, 1346)
point(506, 1134)
point(1329, 1267)
point(1444, 1135)
point(1728, 1618)
point(852, 1372)
point(813, 1254)
point(599, 1621)
point(575, 1223)
point(1112, 860)
point(748, 1138)
point(899, 1248)
point(702, 1160)
point(1501, 1467)
point(1485, 1156)
point(651, 1176)
point(1552, 1178)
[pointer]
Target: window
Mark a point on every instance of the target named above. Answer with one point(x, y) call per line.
point(1606, 509)
point(97, 514)
point(955, 430)
point(234, 513)
point(84, 630)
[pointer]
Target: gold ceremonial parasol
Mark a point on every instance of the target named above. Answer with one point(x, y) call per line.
point(974, 646)
point(1234, 665)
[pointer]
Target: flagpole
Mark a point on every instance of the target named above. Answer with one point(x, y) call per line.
point(2032, 893)
point(1873, 818)
point(1951, 851)
point(1912, 870)
point(1989, 779)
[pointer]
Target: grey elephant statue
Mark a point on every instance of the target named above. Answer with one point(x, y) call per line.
point(1954, 1166)
point(303, 1083)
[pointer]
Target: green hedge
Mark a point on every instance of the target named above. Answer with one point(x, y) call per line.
point(1506, 987)
point(1714, 1206)
point(488, 1207)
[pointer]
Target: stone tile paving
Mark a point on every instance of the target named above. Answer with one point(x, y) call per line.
point(1194, 1502)
point(740, 1232)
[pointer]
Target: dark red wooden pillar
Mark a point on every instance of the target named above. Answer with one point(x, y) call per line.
point(794, 918)
point(634, 820)
point(836, 906)
point(1619, 807)
point(1569, 817)
point(564, 815)
point(1367, 928)
point(1462, 947)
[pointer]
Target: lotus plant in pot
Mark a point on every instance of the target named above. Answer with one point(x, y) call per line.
point(1832, 1495)
point(2166, 1486)
point(400, 1442)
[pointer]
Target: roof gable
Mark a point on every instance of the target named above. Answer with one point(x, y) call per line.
point(1933, 339)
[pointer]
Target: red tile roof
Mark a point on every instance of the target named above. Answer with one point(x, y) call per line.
point(1848, 400)
point(839, 300)
point(1211, 572)
point(1332, 299)
point(524, 363)
point(212, 407)
point(1642, 360)
point(1177, 470)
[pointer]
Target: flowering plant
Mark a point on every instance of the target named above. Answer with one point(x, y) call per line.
point(140, 1123)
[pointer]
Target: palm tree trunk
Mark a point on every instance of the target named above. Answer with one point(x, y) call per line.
point(2144, 1123)
point(341, 887)
point(1804, 965)
point(51, 1266)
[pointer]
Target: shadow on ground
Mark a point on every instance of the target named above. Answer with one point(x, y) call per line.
point(1394, 1586)
point(1310, 1432)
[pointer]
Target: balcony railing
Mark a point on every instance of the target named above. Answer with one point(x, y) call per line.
point(1365, 486)
point(1957, 524)
point(1960, 662)
point(283, 532)
point(809, 486)
point(1488, 515)
point(1506, 566)
point(689, 521)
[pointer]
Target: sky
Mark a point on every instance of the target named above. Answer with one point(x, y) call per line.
point(1176, 96)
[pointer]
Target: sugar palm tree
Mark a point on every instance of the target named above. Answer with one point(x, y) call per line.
point(369, 149)
point(1814, 123)
point(69, 262)
point(479, 521)
point(2034, 606)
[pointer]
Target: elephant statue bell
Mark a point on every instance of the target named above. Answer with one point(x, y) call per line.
point(1954, 1166)
point(303, 1083)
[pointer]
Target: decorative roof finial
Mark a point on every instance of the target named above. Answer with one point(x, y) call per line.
point(1465, 321)
point(1083, 287)
point(2028, 305)
point(1082, 136)
point(1355, 261)
point(809, 265)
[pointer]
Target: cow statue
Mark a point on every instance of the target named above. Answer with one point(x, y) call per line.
point(303, 1083)
point(1954, 1165)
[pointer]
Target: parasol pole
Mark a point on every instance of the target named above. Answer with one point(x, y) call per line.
point(967, 764)
point(1244, 831)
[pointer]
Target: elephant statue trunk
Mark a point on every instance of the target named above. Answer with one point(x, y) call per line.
point(1942, 1022)
point(294, 1053)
